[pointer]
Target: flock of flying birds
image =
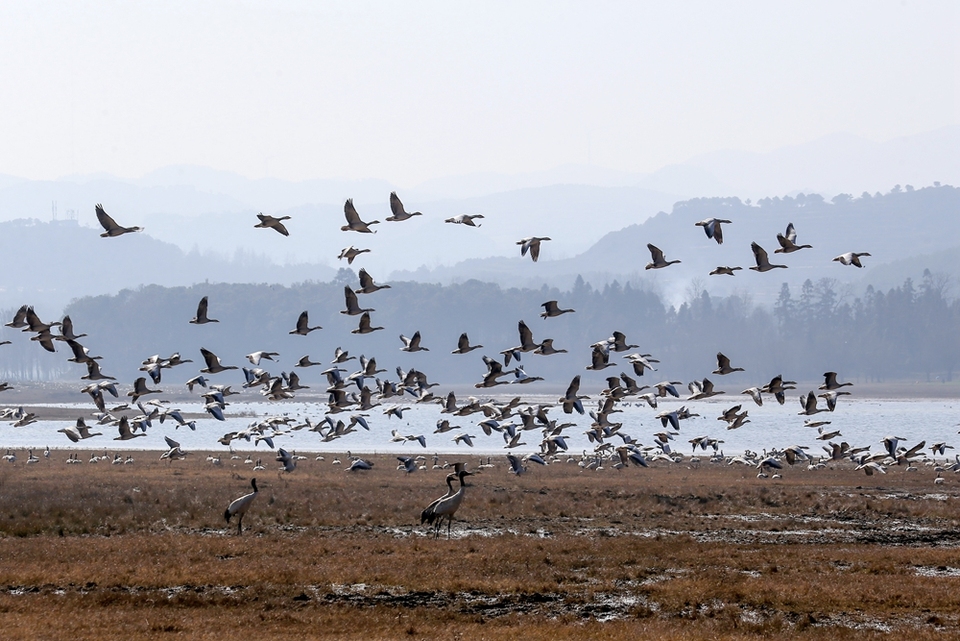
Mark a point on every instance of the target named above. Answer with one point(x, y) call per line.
point(360, 392)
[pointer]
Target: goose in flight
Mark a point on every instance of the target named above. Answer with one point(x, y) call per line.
point(353, 220)
point(531, 243)
point(352, 303)
point(788, 241)
point(306, 362)
point(527, 343)
point(269, 222)
point(34, 324)
point(831, 398)
point(240, 506)
point(201, 317)
point(78, 432)
point(711, 227)
point(412, 344)
point(571, 400)
point(552, 310)
point(350, 253)
point(213, 363)
point(701, 389)
point(66, 331)
point(342, 356)
point(255, 357)
point(763, 262)
point(464, 219)
point(140, 389)
point(851, 258)
point(723, 365)
point(110, 226)
point(125, 432)
point(599, 359)
point(365, 325)
point(19, 318)
point(724, 271)
point(657, 259)
point(546, 348)
point(94, 373)
point(367, 286)
point(830, 382)
point(464, 346)
point(642, 362)
point(809, 404)
point(396, 207)
point(303, 324)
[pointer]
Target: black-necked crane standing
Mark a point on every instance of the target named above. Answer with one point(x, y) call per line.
point(241, 505)
point(446, 506)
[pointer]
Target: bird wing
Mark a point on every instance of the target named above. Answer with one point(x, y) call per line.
point(396, 206)
point(365, 279)
point(106, 221)
point(791, 234)
point(209, 358)
point(759, 254)
point(353, 218)
point(526, 336)
point(655, 253)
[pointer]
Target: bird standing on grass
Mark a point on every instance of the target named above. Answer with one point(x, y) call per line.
point(241, 505)
point(445, 507)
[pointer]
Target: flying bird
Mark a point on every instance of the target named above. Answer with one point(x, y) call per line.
point(657, 259)
point(464, 219)
point(350, 253)
point(399, 213)
point(531, 243)
point(711, 227)
point(269, 222)
point(851, 258)
point(551, 309)
point(201, 317)
point(365, 325)
point(110, 226)
point(353, 220)
point(763, 263)
point(788, 241)
point(213, 363)
point(303, 324)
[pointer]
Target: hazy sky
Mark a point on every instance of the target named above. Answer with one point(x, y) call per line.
point(416, 90)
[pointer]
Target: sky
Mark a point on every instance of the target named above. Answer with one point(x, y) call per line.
point(413, 91)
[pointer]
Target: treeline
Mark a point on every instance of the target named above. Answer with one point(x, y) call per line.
point(909, 332)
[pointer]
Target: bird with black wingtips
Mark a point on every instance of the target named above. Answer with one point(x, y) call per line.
point(110, 226)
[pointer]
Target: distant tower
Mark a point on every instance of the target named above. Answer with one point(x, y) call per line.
point(53, 206)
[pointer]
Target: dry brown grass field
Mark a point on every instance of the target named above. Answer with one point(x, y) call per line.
point(142, 551)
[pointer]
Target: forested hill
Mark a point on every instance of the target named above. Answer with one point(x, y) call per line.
point(907, 333)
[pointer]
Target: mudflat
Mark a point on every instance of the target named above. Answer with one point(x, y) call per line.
point(142, 551)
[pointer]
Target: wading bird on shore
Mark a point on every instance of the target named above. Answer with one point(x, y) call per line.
point(445, 507)
point(240, 506)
